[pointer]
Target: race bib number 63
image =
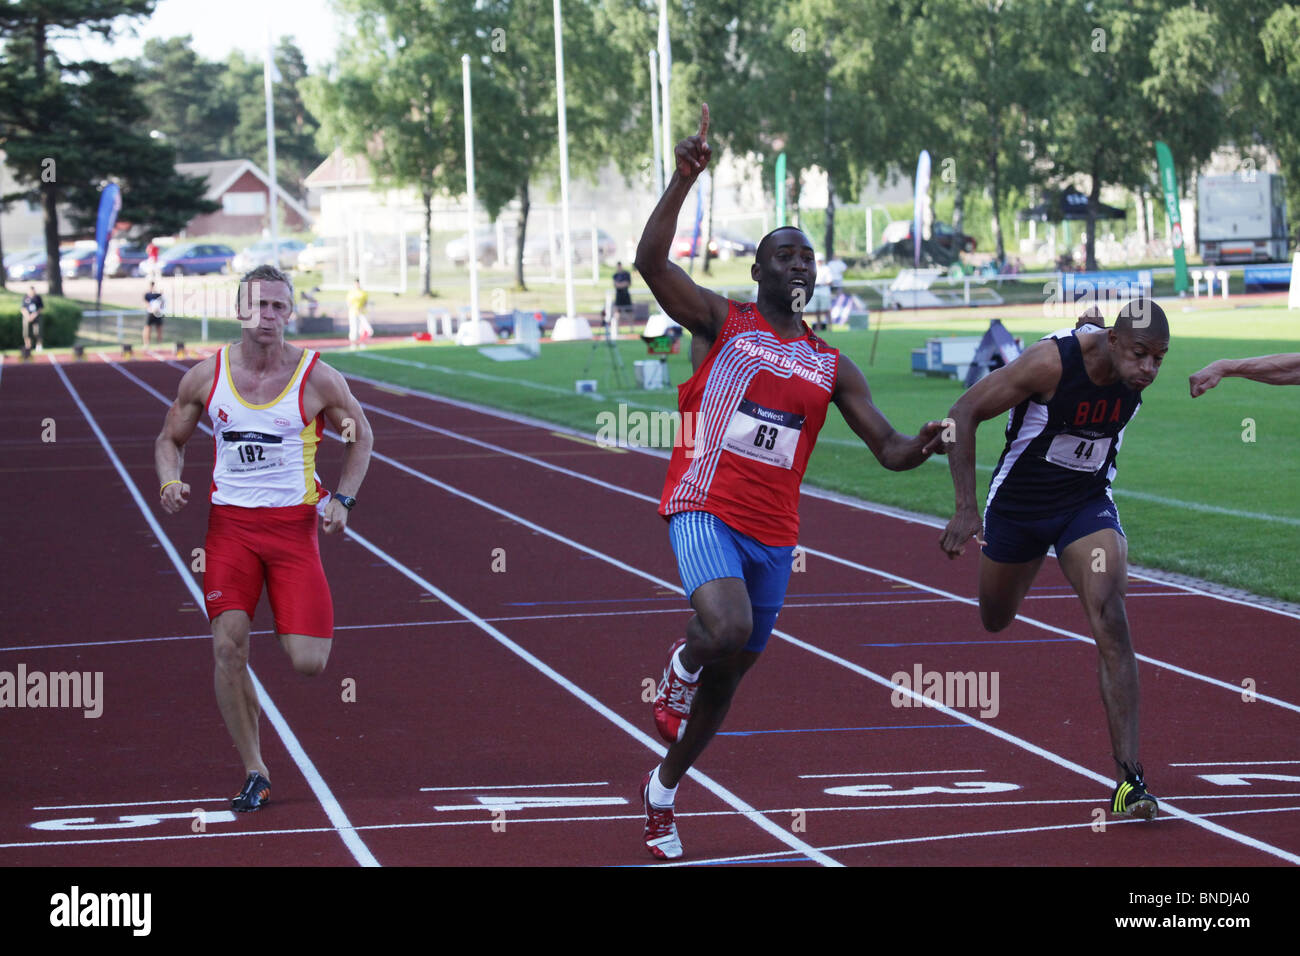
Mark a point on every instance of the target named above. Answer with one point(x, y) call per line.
point(763, 434)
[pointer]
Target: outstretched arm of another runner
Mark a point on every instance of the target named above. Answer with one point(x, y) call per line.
point(182, 419)
point(896, 451)
point(698, 309)
point(1283, 369)
point(346, 416)
point(1036, 372)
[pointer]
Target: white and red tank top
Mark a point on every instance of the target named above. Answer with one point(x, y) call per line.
point(750, 417)
point(264, 455)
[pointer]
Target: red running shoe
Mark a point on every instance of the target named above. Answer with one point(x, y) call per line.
point(673, 700)
point(660, 830)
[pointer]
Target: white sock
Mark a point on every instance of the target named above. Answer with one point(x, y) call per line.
point(681, 671)
point(660, 796)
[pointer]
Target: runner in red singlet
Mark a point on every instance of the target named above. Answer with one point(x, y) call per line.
point(755, 404)
point(268, 401)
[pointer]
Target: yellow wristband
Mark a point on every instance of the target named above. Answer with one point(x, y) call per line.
point(174, 481)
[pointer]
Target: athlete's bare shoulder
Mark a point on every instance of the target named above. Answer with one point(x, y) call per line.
point(196, 384)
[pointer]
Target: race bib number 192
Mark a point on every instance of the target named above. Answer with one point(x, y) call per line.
point(252, 451)
point(763, 434)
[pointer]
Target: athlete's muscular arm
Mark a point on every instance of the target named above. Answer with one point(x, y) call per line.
point(328, 391)
point(895, 451)
point(1036, 372)
point(699, 310)
point(1283, 369)
point(182, 419)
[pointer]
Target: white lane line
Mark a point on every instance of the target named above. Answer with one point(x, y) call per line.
point(518, 786)
point(1236, 763)
point(1235, 689)
point(789, 839)
point(880, 773)
point(329, 804)
point(134, 803)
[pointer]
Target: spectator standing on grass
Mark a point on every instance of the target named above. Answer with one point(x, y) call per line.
point(155, 306)
point(358, 324)
point(622, 293)
point(151, 259)
point(269, 402)
point(33, 306)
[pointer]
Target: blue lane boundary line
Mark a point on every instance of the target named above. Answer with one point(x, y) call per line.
point(826, 730)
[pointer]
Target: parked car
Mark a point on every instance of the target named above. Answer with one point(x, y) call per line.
point(79, 261)
point(124, 259)
point(262, 253)
point(722, 245)
point(539, 247)
point(195, 258)
point(944, 247)
point(321, 252)
point(485, 240)
point(29, 265)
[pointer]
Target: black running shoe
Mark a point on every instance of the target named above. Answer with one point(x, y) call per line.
point(255, 795)
point(1131, 798)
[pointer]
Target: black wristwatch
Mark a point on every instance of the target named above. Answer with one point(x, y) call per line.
point(345, 500)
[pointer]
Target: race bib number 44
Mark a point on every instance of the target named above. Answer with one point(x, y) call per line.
point(763, 434)
point(1077, 452)
point(251, 451)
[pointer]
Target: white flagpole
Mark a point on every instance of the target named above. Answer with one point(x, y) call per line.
point(654, 122)
point(270, 151)
point(665, 74)
point(569, 325)
point(472, 254)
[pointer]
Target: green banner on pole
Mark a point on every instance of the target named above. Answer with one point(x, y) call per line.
point(780, 191)
point(1169, 183)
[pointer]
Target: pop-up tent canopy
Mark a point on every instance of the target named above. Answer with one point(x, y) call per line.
point(1068, 204)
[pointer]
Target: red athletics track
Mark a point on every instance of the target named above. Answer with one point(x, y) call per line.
point(498, 716)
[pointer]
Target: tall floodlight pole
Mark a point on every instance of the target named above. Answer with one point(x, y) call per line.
point(267, 78)
point(569, 325)
point(473, 335)
point(654, 123)
point(665, 74)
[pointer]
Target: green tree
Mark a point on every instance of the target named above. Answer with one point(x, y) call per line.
point(296, 126)
point(1101, 122)
point(980, 81)
point(1279, 93)
point(395, 96)
point(186, 97)
point(68, 126)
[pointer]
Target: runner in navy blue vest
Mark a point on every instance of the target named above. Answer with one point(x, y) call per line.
point(1071, 396)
